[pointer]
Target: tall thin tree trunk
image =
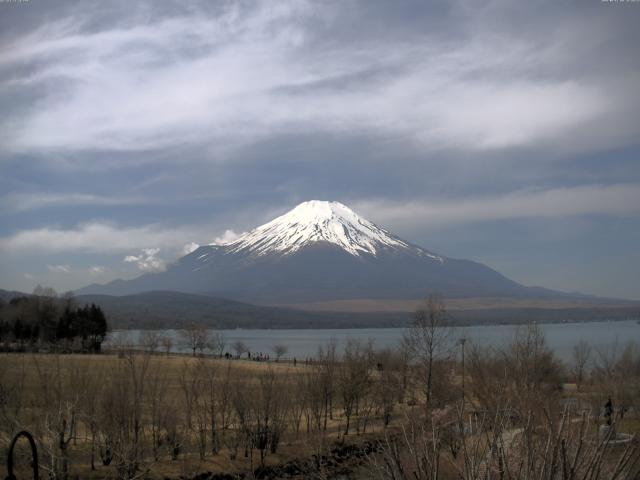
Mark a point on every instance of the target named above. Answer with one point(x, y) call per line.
point(93, 449)
point(326, 410)
point(214, 437)
point(429, 379)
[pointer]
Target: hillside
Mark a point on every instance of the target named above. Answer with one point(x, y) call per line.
point(157, 310)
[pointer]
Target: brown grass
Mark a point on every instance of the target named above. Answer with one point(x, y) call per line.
point(472, 303)
point(29, 369)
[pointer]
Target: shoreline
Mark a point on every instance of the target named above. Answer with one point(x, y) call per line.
point(394, 327)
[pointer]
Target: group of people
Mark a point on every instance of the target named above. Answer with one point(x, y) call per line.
point(259, 357)
point(264, 357)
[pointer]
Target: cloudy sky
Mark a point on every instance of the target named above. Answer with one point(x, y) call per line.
point(503, 132)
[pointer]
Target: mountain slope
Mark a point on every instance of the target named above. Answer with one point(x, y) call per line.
point(316, 252)
point(162, 309)
point(173, 310)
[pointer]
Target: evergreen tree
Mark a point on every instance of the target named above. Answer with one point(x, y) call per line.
point(67, 327)
point(83, 326)
point(52, 320)
point(97, 327)
point(5, 329)
point(18, 328)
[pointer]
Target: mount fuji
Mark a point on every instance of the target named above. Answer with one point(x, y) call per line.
point(321, 251)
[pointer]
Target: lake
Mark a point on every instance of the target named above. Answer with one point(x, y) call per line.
point(561, 337)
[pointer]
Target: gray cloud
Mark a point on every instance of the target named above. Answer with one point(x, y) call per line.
point(97, 237)
point(161, 125)
point(617, 200)
point(242, 75)
point(19, 202)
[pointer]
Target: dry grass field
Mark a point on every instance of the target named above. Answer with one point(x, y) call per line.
point(178, 400)
point(143, 414)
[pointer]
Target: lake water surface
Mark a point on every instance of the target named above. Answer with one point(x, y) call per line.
point(561, 337)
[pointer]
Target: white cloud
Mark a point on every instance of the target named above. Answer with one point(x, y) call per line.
point(227, 237)
point(59, 268)
point(189, 247)
point(199, 94)
point(619, 200)
point(147, 261)
point(97, 270)
point(98, 237)
point(246, 75)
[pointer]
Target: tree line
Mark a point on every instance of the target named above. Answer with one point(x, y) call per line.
point(46, 320)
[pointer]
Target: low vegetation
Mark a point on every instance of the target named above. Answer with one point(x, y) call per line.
point(433, 408)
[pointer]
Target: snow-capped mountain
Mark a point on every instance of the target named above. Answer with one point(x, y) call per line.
point(320, 251)
point(317, 221)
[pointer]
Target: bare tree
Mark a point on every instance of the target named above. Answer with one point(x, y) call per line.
point(581, 357)
point(325, 376)
point(268, 411)
point(156, 406)
point(429, 338)
point(563, 449)
point(150, 340)
point(239, 347)
point(59, 413)
point(523, 375)
point(167, 343)
point(46, 311)
point(216, 343)
point(353, 379)
point(122, 415)
point(225, 406)
point(212, 402)
point(195, 337)
point(137, 409)
point(299, 401)
point(88, 382)
point(388, 385)
point(532, 369)
point(174, 435)
point(131, 454)
point(68, 300)
point(280, 350)
point(616, 375)
point(189, 380)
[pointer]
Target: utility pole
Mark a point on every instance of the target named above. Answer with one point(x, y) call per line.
point(462, 342)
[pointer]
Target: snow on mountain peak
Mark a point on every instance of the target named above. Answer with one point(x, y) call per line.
point(317, 221)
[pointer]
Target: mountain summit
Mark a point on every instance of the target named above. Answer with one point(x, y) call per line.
point(317, 221)
point(321, 251)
